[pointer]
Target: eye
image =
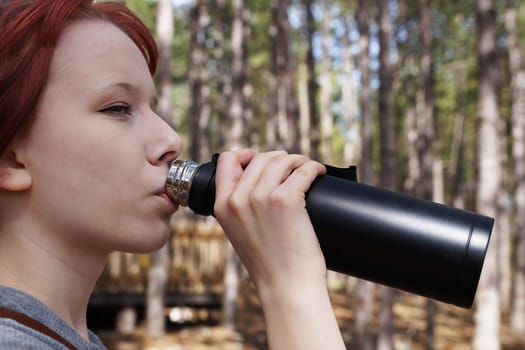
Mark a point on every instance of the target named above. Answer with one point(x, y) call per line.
point(118, 109)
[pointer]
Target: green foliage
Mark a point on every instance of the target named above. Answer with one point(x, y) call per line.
point(146, 10)
point(181, 45)
point(259, 49)
point(521, 23)
point(338, 145)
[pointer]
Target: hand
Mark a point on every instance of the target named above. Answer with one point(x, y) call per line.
point(260, 203)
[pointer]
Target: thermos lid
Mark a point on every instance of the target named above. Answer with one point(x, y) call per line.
point(475, 251)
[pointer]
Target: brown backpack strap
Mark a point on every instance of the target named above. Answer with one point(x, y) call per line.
point(34, 324)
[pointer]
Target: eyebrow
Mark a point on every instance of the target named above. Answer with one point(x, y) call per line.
point(122, 85)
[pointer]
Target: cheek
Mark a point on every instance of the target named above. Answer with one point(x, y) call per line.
point(77, 166)
point(84, 181)
point(63, 159)
point(81, 149)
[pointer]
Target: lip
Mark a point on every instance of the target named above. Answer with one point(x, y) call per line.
point(162, 194)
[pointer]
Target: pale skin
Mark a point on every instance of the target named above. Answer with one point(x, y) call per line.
point(87, 179)
point(262, 209)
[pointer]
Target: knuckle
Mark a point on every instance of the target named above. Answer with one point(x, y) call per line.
point(272, 156)
point(311, 166)
point(302, 171)
point(220, 210)
point(303, 159)
point(317, 164)
point(258, 198)
point(280, 199)
point(236, 204)
point(314, 166)
point(278, 159)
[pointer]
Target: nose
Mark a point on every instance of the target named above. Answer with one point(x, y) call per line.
point(164, 145)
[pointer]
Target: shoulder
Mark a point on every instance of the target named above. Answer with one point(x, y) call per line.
point(14, 336)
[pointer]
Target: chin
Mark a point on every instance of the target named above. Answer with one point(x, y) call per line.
point(149, 242)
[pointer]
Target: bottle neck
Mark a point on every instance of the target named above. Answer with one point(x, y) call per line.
point(179, 180)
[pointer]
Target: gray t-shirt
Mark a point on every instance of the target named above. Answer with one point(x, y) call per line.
point(15, 336)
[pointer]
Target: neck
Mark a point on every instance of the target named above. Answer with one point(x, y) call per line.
point(59, 276)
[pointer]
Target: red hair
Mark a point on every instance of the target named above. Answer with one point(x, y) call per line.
point(29, 31)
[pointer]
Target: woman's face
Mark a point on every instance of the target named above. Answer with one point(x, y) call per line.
point(97, 152)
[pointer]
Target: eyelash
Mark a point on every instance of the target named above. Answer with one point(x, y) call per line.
point(118, 109)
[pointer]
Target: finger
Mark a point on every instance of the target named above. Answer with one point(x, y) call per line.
point(258, 165)
point(277, 171)
point(301, 179)
point(230, 168)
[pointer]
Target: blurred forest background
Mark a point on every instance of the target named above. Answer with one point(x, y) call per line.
point(426, 97)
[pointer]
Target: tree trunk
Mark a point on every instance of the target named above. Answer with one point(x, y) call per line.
point(157, 281)
point(325, 100)
point(199, 82)
point(487, 315)
point(426, 134)
point(272, 130)
point(312, 83)
point(238, 77)
point(456, 170)
point(231, 286)
point(250, 136)
point(385, 339)
point(351, 125)
point(386, 130)
point(425, 102)
point(165, 33)
point(387, 157)
point(158, 270)
point(287, 111)
point(194, 82)
point(517, 83)
point(223, 79)
point(366, 164)
point(238, 138)
point(364, 294)
point(205, 90)
point(364, 307)
point(413, 166)
point(304, 109)
point(504, 226)
point(438, 196)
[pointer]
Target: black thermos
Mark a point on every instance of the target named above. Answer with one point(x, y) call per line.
point(381, 236)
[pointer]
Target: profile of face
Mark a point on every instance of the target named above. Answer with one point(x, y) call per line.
point(97, 152)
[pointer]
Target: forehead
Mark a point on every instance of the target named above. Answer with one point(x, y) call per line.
point(92, 50)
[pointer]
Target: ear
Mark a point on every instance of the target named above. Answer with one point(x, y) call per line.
point(14, 175)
